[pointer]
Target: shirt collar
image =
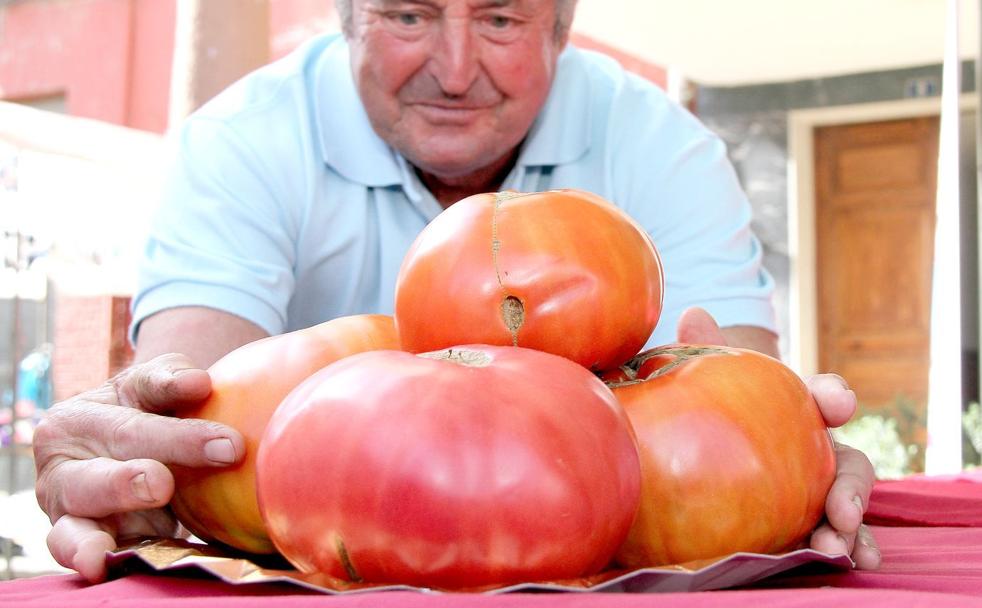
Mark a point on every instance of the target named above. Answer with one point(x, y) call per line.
point(349, 144)
point(561, 132)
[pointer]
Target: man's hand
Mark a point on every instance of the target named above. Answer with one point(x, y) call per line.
point(844, 531)
point(102, 459)
point(848, 499)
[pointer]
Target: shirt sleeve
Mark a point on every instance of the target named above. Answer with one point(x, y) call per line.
point(219, 238)
point(687, 196)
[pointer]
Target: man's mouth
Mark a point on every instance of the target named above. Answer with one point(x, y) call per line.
point(441, 113)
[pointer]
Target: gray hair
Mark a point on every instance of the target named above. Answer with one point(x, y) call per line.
point(564, 16)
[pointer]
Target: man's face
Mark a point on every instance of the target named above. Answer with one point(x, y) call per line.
point(454, 85)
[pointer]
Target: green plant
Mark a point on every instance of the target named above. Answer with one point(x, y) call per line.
point(888, 436)
point(877, 437)
point(972, 435)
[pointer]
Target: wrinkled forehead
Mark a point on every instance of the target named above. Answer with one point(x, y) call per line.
point(561, 9)
point(445, 3)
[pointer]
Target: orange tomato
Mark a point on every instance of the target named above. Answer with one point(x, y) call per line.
point(735, 454)
point(564, 272)
point(247, 386)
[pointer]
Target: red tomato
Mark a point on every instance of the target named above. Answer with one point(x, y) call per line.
point(563, 271)
point(247, 385)
point(473, 466)
point(735, 455)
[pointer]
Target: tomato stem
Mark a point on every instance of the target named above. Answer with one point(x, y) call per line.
point(679, 353)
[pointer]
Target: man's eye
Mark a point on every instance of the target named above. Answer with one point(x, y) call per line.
point(408, 19)
point(499, 22)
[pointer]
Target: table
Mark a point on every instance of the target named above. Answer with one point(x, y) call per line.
point(929, 530)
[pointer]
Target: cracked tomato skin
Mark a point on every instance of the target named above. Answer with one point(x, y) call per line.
point(247, 385)
point(492, 465)
point(586, 277)
point(735, 454)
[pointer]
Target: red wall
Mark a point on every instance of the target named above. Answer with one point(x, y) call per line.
point(90, 342)
point(652, 72)
point(149, 75)
point(111, 59)
point(293, 21)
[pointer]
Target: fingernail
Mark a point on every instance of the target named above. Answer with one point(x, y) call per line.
point(140, 488)
point(866, 538)
point(870, 545)
point(220, 450)
point(874, 551)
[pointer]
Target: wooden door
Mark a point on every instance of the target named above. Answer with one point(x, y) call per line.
point(875, 206)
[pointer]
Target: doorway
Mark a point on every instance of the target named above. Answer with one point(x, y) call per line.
point(861, 229)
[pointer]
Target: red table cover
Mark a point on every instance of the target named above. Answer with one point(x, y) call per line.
point(929, 530)
point(951, 500)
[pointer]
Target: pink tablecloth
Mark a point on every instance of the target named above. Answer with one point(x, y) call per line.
point(952, 500)
point(929, 530)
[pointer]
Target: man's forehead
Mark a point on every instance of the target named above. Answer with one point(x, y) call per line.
point(472, 3)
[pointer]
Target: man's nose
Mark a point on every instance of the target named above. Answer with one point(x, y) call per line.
point(455, 57)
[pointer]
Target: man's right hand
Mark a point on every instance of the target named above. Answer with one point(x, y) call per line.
point(102, 459)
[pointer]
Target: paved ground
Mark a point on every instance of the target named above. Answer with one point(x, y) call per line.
point(23, 522)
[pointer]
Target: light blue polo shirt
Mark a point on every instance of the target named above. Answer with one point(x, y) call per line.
point(284, 207)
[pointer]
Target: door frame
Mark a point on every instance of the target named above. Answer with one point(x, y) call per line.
point(802, 290)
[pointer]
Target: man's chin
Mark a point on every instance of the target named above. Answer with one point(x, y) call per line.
point(453, 168)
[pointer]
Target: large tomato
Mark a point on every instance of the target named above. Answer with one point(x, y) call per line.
point(735, 455)
point(247, 385)
point(563, 271)
point(471, 466)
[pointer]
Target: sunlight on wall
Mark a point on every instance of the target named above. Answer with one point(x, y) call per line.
point(944, 430)
point(83, 196)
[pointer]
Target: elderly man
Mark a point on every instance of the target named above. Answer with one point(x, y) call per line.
point(296, 193)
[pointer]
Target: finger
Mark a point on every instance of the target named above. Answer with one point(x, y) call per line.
point(162, 385)
point(696, 326)
point(100, 487)
point(81, 430)
point(866, 553)
point(848, 498)
point(81, 544)
point(80, 479)
point(826, 539)
point(152, 522)
point(835, 399)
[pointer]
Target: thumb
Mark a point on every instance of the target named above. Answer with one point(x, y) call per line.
point(696, 326)
point(162, 385)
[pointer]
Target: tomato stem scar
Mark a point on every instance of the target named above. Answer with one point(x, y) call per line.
point(513, 314)
point(512, 309)
point(346, 561)
point(467, 358)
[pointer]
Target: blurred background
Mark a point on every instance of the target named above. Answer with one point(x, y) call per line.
point(833, 114)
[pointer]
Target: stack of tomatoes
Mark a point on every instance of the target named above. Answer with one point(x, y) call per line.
point(503, 427)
